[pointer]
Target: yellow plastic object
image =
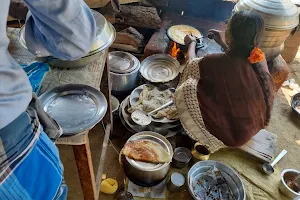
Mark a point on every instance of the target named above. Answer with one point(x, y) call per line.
point(109, 186)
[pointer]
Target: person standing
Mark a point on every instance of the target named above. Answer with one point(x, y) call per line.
point(30, 167)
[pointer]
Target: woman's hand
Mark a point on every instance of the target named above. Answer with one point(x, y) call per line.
point(190, 43)
point(188, 39)
point(216, 35)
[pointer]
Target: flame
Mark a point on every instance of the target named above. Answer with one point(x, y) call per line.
point(174, 50)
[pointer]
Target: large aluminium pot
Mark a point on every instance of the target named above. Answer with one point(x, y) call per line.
point(106, 35)
point(147, 174)
point(124, 71)
point(280, 17)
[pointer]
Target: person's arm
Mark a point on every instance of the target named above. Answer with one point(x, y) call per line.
point(190, 43)
point(65, 29)
point(218, 36)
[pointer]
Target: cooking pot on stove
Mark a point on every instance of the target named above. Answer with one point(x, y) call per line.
point(124, 71)
point(147, 174)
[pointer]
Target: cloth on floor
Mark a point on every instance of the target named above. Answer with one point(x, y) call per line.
point(157, 191)
point(258, 185)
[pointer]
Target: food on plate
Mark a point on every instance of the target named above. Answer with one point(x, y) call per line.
point(151, 98)
point(109, 186)
point(146, 151)
point(211, 185)
point(178, 32)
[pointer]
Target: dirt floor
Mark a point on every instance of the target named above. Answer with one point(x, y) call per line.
point(283, 123)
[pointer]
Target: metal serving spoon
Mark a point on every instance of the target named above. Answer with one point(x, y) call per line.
point(142, 118)
point(269, 168)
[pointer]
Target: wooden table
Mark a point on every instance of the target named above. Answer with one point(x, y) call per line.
point(96, 75)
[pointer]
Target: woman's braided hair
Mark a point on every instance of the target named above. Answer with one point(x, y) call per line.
point(245, 30)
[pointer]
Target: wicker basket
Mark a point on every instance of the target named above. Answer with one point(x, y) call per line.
point(289, 53)
point(291, 46)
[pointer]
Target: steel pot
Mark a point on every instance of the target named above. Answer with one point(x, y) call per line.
point(280, 17)
point(124, 71)
point(147, 174)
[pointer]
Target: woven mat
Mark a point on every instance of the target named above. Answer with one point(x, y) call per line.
point(89, 75)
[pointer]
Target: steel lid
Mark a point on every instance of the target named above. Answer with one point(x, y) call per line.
point(277, 14)
point(122, 62)
point(160, 68)
point(156, 137)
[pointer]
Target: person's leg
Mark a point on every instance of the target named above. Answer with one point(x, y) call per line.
point(39, 175)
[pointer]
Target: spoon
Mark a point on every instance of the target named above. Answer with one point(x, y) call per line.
point(269, 168)
point(142, 118)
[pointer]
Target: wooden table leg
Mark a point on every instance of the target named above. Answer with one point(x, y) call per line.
point(85, 169)
point(106, 90)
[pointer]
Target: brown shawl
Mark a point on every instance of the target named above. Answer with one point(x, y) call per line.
point(235, 98)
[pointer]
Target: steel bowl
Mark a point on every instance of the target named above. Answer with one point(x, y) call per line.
point(182, 157)
point(123, 79)
point(115, 104)
point(296, 103)
point(147, 174)
point(231, 177)
point(286, 175)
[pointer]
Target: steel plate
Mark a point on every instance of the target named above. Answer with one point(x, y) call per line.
point(170, 129)
point(75, 107)
point(160, 68)
point(134, 97)
point(231, 177)
point(178, 32)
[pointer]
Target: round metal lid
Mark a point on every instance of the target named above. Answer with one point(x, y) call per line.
point(178, 32)
point(122, 62)
point(277, 14)
point(160, 68)
point(156, 137)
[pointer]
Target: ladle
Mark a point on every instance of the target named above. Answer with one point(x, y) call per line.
point(142, 118)
point(269, 168)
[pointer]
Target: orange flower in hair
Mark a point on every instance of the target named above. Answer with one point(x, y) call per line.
point(256, 56)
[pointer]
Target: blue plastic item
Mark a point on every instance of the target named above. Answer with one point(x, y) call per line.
point(36, 72)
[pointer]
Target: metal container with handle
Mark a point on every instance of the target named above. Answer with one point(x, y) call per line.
point(124, 71)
